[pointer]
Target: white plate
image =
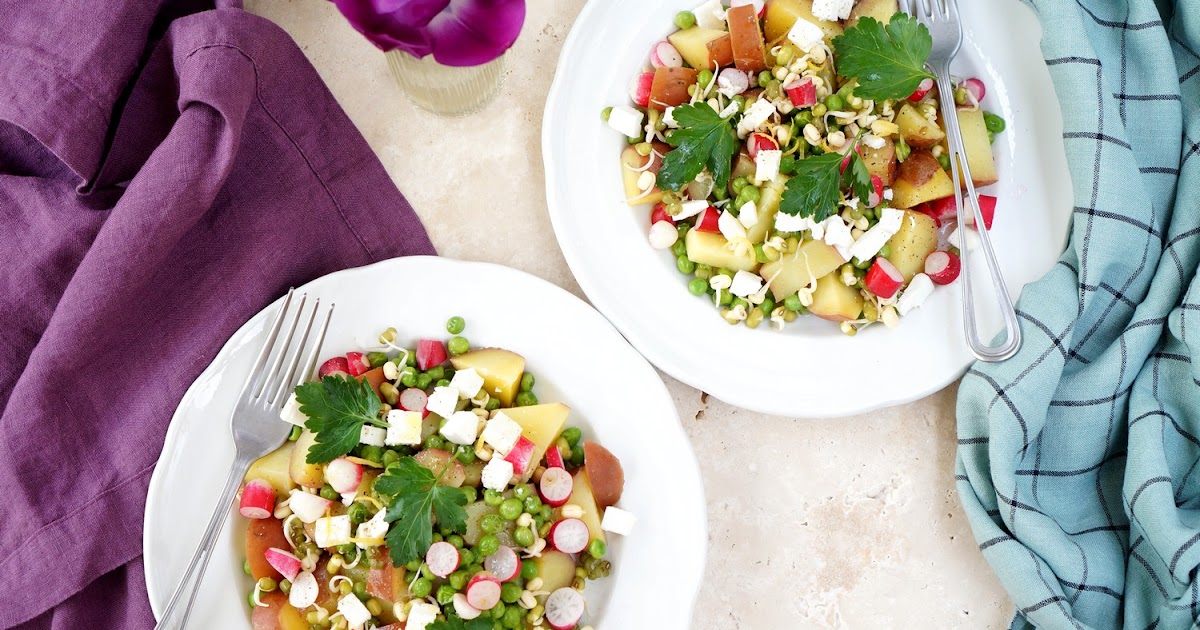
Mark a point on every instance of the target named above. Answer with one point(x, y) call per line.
point(811, 370)
point(578, 358)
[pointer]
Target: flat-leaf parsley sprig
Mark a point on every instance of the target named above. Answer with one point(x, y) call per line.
point(889, 62)
point(337, 407)
point(815, 189)
point(703, 139)
point(415, 498)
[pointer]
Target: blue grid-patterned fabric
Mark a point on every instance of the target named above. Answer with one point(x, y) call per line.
point(1079, 459)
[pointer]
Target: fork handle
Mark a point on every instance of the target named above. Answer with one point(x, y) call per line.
point(961, 172)
point(180, 607)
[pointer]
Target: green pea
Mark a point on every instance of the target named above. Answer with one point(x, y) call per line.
point(250, 600)
point(436, 373)
point(467, 456)
point(491, 523)
point(376, 359)
point(372, 453)
point(492, 497)
point(698, 286)
point(835, 103)
point(421, 587)
point(792, 302)
point(435, 441)
point(994, 123)
point(679, 248)
point(683, 229)
point(285, 586)
point(597, 548)
point(767, 305)
point(527, 381)
point(576, 458)
point(522, 491)
point(360, 591)
point(510, 509)
point(510, 592)
point(513, 617)
point(526, 399)
point(991, 137)
point(413, 566)
point(803, 118)
point(523, 536)
point(737, 301)
point(787, 164)
point(458, 345)
point(960, 96)
point(704, 78)
point(295, 434)
point(738, 184)
point(408, 378)
point(764, 78)
point(488, 545)
point(741, 102)
point(944, 160)
point(445, 594)
point(753, 193)
point(390, 457)
point(492, 404)
point(424, 381)
point(572, 435)
point(685, 265)
point(246, 567)
point(466, 557)
point(456, 324)
point(546, 512)
point(785, 56)
point(529, 569)
point(885, 251)
point(685, 20)
point(327, 492)
point(760, 254)
point(863, 264)
point(497, 614)
point(723, 298)
point(605, 113)
point(358, 513)
point(458, 580)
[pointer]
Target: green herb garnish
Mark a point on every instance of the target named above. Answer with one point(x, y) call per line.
point(889, 62)
point(454, 623)
point(416, 498)
point(816, 188)
point(704, 139)
point(337, 408)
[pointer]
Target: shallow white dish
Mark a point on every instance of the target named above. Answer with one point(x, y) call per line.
point(578, 358)
point(811, 369)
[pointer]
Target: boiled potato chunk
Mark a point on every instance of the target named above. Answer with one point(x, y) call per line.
point(541, 424)
point(501, 371)
point(749, 50)
point(782, 15)
point(556, 569)
point(916, 240)
point(916, 129)
point(670, 87)
point(701, 48)
point(881, 10)
point(812, 260)
point(881, 162)
point(768, 205)
point(631, 170)
point(302, 472)
point(979, 150)
point(709, 248)
point(275, 469)
point(583, 497)
point(834, 301)
point(919, 179)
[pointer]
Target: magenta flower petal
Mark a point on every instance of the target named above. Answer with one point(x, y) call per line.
point(472, 32)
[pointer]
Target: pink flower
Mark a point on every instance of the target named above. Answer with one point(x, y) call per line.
point(456, 32)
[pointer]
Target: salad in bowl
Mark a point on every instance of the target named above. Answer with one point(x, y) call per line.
point(792, 154)
point(428, 489)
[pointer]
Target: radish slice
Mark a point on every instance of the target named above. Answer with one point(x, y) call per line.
point(570, 535)
point(308, 507)
point(662, 235)
point(943, 267)
point(987, 207)
point(556, 486)
point(732, 81)
point(504, 564)
point(659, 213)
point(344, 475)
point(883, 279)
point(760, 7)
point(357, 363)
point(976, 88)
point(760, 142)
point(922, 91)
point(304, 590)
point(521, 455)
point(876, 191)
point(336, 365)
point(413, 399)
point(802, 92)
point(554, 458)
point(709, 220)
point(483, 591)
point(464, 609)
point(258, 500)
point(564, 608)
point(442, 559)
point(664, 55)
point(639, 88)
point(430, 353)
point(942, 210)
point(286, 563)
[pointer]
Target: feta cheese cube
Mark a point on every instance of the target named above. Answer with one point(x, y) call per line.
point(501, 432)
point(837, 235)
point(745, 283)
point(832, 10)
point(755, 116)
point(332, 531)
point(374, 529)
point(669, 118)
point(875, 238)
point(964, 238)
point(443, 401)
point(497, 474)
point(711, 14)
point(421, 615)
point(291, 412)
point(353, 611)
point(888, 194)
point(626, 120)
point(794, 223)
point(766, 165)
point(806, 35)
point(748, 214)
point(404, 427)
point(691, 209)
point(920, 288)
point(372, 436)
point(729, 110)
point(730, 227)
point(618, 521)
point(468, 382)
point(462, 427)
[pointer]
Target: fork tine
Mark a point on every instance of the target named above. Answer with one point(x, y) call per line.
point(951, 9)
point(315, 355)
point(261, 388)
point(286, 377)
point(922, 10)
point(256, 372)
point(905, 6)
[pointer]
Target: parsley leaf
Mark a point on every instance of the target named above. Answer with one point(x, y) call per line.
point(889, 63)
point(337, 408)
point(454, 623)
point(704, 139)
point(417, 498)
point(815, 188)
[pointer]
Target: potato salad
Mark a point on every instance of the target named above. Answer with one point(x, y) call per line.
point(793, 157)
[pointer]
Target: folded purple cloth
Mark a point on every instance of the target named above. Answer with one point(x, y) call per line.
point(164, 174)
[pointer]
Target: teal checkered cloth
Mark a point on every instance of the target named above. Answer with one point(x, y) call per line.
point(1079, 459)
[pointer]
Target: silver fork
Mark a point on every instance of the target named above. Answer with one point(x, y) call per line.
point(942, 19)
point(257, 430)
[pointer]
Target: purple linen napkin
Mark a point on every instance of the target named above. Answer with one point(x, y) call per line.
point(164, 174)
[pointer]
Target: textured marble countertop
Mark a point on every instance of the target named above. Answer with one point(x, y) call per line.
point(849, 523)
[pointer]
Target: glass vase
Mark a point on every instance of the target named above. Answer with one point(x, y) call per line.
point(445, 90)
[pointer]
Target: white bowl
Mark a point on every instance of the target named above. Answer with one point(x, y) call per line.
point(811, 369)
point(578, 359)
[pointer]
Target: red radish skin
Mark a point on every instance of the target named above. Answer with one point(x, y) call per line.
point(308, 507)
point(556, 486)
point(483, 591)
point(521, 455)
point(922, 91)
point(564, 608)
point(664, 55)
point(987, 207)
point(504, 564)
point(708, 220)
point(659, 213)
point(883, 279)
point(357, 363)
point(258, 500)
point(876, 191)
point(942, 210)
point(760, 7)
point(430, 353)
point(639, 88)
point(554, 458)
point(802, 92)
point(976, 88)
point(344, 475)
point(760, 142)
point(442, 558)
point(570, 535)
point(943, 267)
point(413, 399)
point(336, 365)
point(285, 562)
point(846, 160)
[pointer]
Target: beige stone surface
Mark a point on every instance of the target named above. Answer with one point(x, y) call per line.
point(848, 523)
